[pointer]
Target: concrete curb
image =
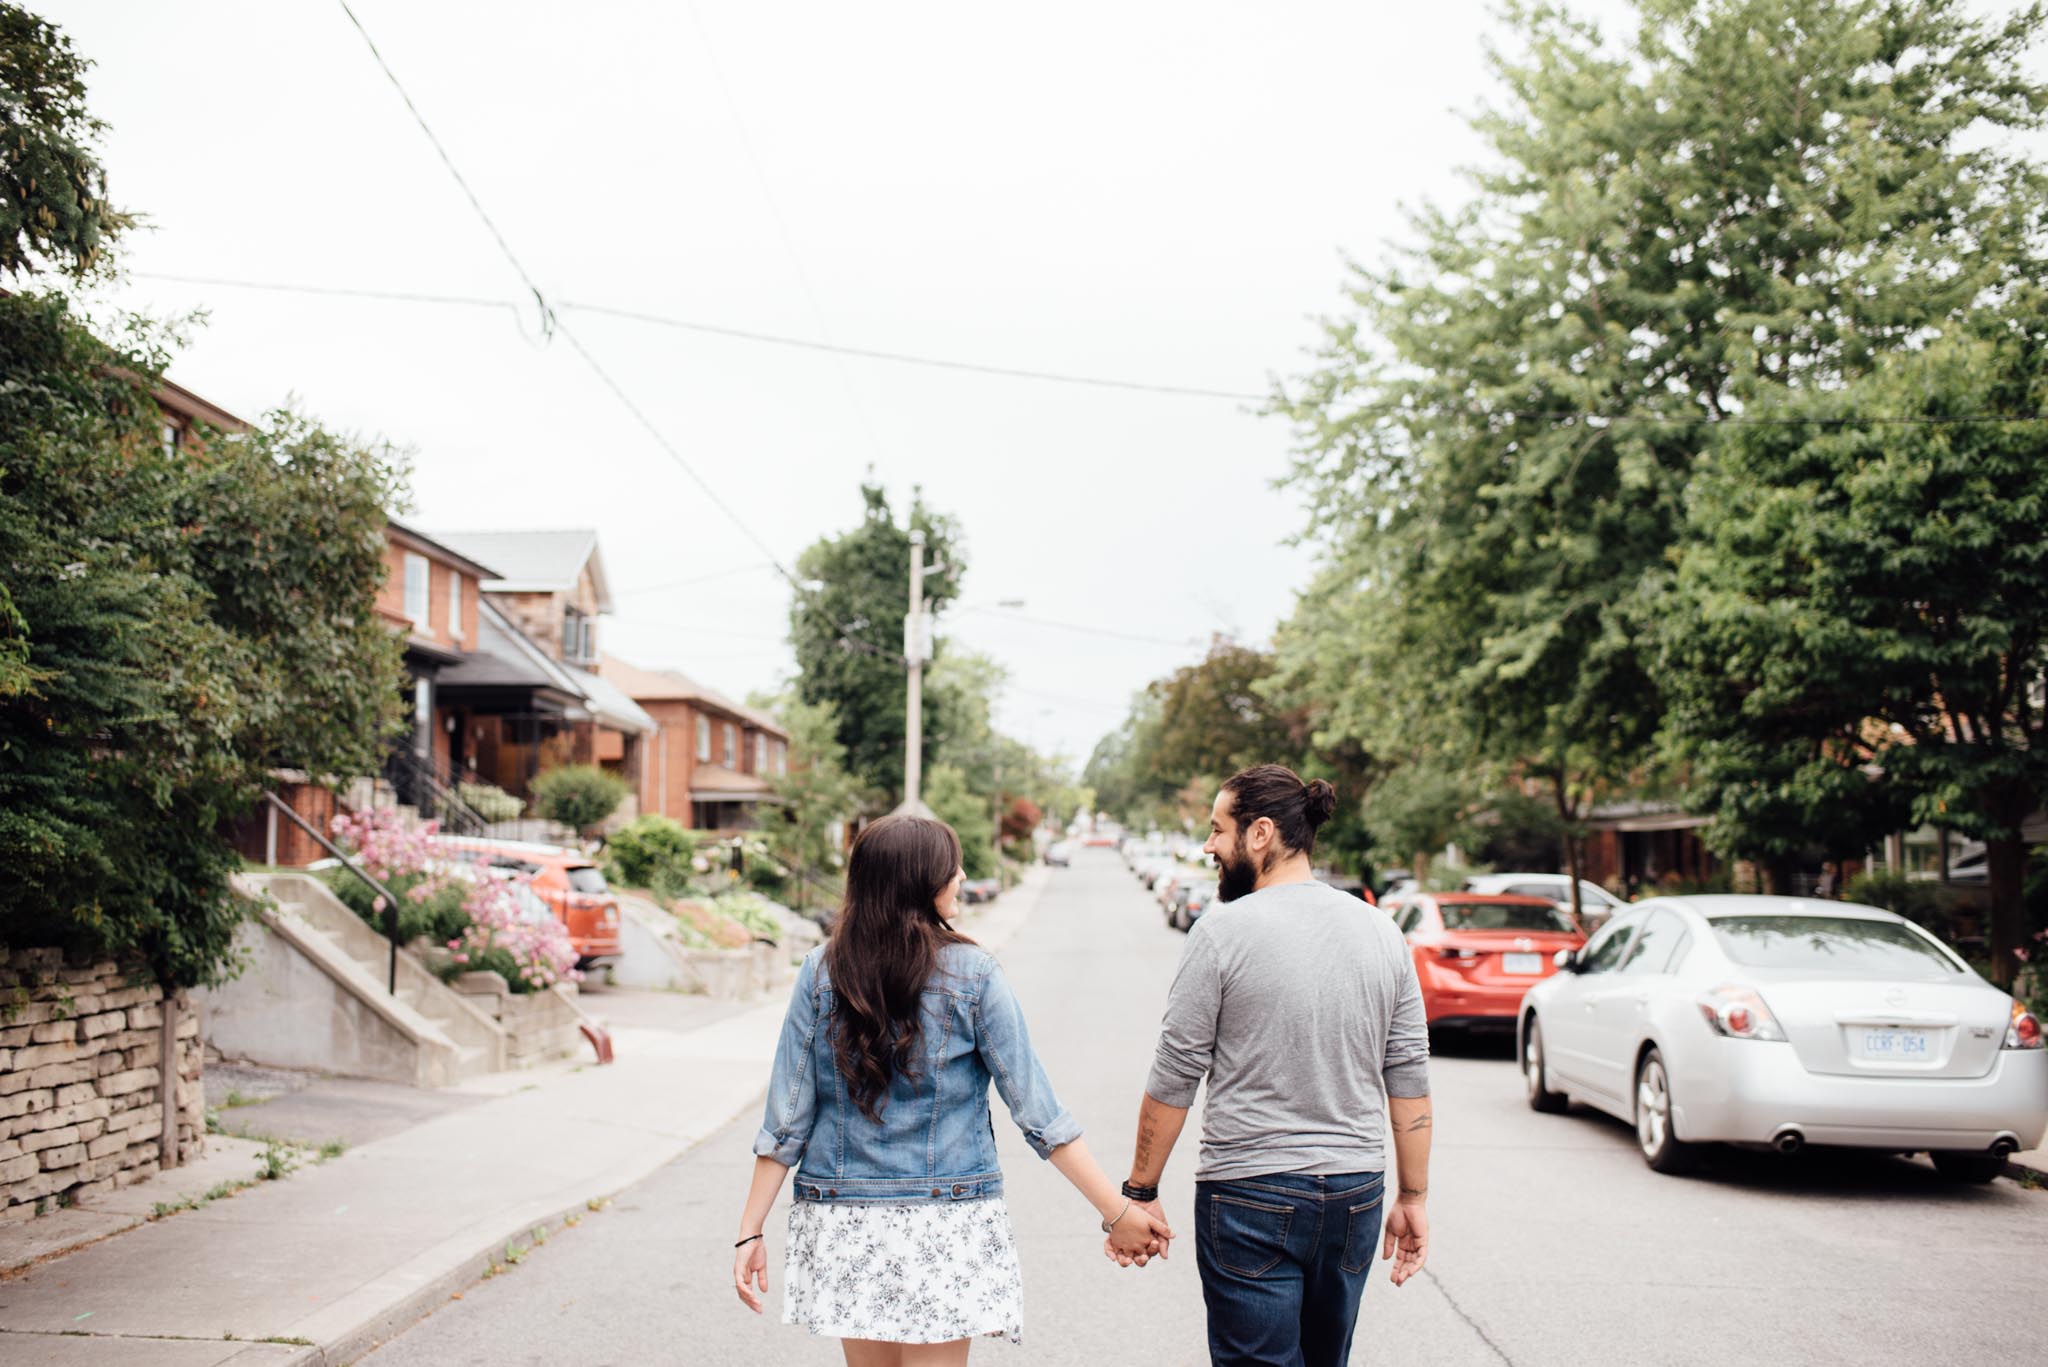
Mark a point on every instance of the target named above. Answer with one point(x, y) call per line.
point(378, 1325)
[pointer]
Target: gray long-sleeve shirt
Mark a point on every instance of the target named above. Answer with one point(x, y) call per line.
point(1299, 1004)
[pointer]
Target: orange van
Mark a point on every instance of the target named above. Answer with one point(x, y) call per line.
point(565, 879)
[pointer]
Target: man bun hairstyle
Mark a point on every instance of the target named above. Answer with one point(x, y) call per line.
point(1277, 793)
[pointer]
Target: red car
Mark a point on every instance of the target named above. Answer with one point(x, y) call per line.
point(1477, 953)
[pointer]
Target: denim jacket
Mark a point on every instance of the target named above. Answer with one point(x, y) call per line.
point(935, 1140)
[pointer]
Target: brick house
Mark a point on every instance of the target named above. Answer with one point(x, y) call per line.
point(432, 596)
point(527, 697)
point(711, 762)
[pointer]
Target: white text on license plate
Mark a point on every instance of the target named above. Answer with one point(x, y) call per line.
point(1891, 1042)
point(1529, 964)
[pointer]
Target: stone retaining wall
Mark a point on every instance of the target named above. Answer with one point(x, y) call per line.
point(80, 1088)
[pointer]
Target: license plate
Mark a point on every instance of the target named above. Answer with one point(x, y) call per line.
point(1893, 1043)
point(1530, 965)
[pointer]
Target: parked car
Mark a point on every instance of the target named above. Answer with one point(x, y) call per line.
point(565, 879)
point(1477, 954)
point(1152, 867)
point(974, 891)
point(1780, 1022)
point(1190, 899)
point(1596, 903)
point(1059, 854)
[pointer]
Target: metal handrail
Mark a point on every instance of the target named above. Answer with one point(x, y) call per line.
point(448, 803)
point(390, 899)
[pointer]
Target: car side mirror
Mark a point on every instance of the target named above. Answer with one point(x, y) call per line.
point(1567, 960)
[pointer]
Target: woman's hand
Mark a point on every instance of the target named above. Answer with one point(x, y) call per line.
point(751, 1263)
point(1142, 1234)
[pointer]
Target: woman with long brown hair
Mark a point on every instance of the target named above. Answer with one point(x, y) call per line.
point(899, 1242)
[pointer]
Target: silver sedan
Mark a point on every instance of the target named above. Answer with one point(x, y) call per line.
point(1779, 1022)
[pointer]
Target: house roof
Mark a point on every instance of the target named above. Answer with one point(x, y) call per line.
point(420, 540)
point(192, 408)
point(712, 783)
point(537, 561)
point(672, 685)
point(506, 657)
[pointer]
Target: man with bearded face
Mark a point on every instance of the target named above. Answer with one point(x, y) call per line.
point(1299, 1006)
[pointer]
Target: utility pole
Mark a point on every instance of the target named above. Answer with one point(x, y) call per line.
point(914, 637)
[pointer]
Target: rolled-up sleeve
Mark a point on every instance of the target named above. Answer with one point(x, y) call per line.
point(1187, 1036)
point(1005, 1045)
point(1405, 1066)
point(792, 1107)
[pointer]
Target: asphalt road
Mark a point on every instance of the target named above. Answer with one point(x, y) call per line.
point(1553, 1243)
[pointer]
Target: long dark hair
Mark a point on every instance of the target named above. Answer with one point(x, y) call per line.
point(885, 947)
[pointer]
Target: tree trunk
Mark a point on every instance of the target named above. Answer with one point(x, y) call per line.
point(2006, 859)
point(1571, 868)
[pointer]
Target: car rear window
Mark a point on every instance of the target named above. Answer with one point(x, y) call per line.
point(586, 878)
point(1832, 944)
point(1503, 916)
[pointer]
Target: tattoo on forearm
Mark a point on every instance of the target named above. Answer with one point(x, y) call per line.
point(1147, 1133)
point(1421, 1122)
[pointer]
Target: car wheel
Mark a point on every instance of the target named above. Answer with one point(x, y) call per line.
point(1535, 1078)
point(1968, 1167)
point(1660, 1144)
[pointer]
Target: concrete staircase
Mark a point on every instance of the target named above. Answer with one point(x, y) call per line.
point(316, 996)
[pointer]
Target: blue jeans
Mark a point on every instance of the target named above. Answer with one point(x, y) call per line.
point(1284, 1258)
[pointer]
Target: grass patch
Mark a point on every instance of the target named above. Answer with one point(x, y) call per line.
point(276, 1162)
point(333, 1148)
point(238, 1099)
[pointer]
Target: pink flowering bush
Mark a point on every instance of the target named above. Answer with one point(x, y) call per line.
point(489, 923)
point(407, 861)
point(530, 953)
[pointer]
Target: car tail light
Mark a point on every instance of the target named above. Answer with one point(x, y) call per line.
point(1454, 953)
point(1739, 1013)
point(2025, 1030)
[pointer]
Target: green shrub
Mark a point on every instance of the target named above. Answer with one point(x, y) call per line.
point(652, 852)
point(580, 796)
point(1920, 901)
point(489, 801)
point(439, 916)
point(750, 909)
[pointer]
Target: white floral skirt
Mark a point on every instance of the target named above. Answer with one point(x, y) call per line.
point(912, 1273)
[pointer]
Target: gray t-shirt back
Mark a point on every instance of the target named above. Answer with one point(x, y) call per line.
point(1299, 1005)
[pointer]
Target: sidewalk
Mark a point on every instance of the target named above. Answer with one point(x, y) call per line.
point(319, 1267)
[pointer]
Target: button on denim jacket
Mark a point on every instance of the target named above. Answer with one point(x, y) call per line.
point(935, 1140)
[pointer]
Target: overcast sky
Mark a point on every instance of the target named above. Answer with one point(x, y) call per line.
point(1160, 193)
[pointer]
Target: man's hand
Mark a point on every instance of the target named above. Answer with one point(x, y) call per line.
point(1407, 1237)
point(1141, 1235)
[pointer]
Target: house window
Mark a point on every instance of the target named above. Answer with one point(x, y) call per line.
point(760, 753)
point(418, 578)
point(170, 438)
point(732, 746)
point(454, 605)
point(781, 757)
point(704, 739)
point(579, 636)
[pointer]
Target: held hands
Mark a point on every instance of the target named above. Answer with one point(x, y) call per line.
point(751, 1263)
point(1139, 1236)
point(1407, 1239)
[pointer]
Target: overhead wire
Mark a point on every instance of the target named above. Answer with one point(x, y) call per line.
point(551, 325)
point(1093, 381)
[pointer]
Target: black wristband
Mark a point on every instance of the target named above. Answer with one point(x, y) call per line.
point(1138, 1193)
point(749, 1239)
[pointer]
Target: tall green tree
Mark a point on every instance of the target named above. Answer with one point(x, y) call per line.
point(54, 211)
point(174, 624)
point(816, 796)
point(848, 635)
point(1875, 599)
point(1743, 196)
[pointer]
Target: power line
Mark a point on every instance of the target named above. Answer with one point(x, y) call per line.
point(1109, 632)
point(550, 325)
point(908, 358)
point(333, 291)
point(547, 317)
point(1092, 381)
